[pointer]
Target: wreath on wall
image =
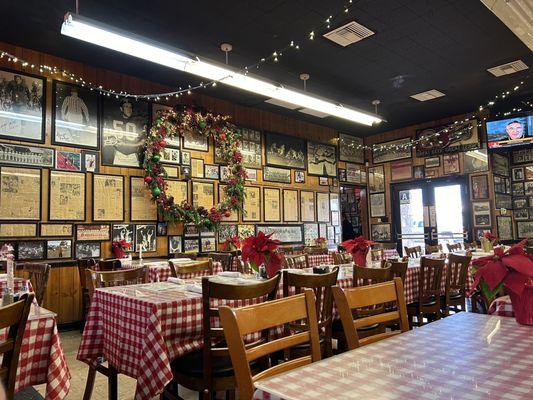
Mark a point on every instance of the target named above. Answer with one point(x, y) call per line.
point(171, 124)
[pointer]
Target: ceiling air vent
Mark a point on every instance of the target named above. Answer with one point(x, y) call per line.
point(350, 33)
point(282, 103)
point(427, 95)
point(313, 112)
point(509, 68)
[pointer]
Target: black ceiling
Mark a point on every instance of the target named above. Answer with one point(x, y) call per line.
point(419, 45)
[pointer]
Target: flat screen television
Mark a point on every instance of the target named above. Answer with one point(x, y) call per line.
point(509, 132)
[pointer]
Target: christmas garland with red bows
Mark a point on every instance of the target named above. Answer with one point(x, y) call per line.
point(171, 124)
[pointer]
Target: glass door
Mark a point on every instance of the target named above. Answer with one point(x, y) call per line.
point(449, 215)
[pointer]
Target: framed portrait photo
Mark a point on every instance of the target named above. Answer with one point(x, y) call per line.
point(419, 172)
point(321, 159)
point(299, 177)
point(175, 244)
point(517, 174)
point(20, 194)
point(450, 163)
point(90, 161)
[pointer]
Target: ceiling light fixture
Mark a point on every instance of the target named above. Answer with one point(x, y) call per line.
point(82, 28)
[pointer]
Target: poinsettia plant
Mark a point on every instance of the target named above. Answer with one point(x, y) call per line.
point(358, 247)
point(262, 250)
point(119, 246)
point(231, 244)
point(489, 236)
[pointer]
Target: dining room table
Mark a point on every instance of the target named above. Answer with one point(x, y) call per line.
point(159, 268)
point(463, 356)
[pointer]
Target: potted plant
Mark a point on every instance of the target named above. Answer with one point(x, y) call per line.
point(119, 246)
point(261, 253)
point(359, 248)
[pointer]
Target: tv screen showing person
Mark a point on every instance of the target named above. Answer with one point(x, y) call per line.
point(509, 132)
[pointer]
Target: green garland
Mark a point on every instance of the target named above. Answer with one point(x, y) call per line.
point(170, 124)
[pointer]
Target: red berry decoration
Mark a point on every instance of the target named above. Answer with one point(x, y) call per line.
point(162, 143)
point(148, 179)
point(227, 213)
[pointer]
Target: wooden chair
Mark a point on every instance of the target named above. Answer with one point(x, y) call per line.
point(377, 254)
point(224, 258)
point(299, 262)
point(433, 248)
point(413, 252)
point(109, 265)
point(371, 296)
point(321, 285)
point(199, 267)
point(210, 370)
point(240, 322)
point(38, 275)
point(342, 258)
point(453, 247)
point(455, 292)
point(86, 285)
point(102, 279)
point(429, 282)
point(398, 269)
point(13, 318)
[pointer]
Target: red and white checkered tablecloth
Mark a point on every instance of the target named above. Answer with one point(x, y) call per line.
point(19, 283)
point(41, 356)
point(501, 306)
point(316, 259)
point(433, 362)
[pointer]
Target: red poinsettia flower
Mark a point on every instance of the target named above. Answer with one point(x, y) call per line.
point(357, 245)
point(489, 236)
point(261, 249)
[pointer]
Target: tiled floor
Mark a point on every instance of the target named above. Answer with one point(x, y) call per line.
point(78, 370)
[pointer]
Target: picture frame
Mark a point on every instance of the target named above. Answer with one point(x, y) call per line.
point(500, 164)
point(528, 188)
point(75, 116)
point(109, 202)
point(251, 175)
point(321, 159)
point(528, 169)
point(20, 193)
point(419, 172)
point(307, 206)
point(290, 205)
point(185, 158)
point(191, 230)
point(334, 202)
point(195, 141)
point(47, 229)
point(197, 168)
point(93, 232)
point(172, 172)
point(234, 217)
point(58, 249)
point(161, 229)
point(323, 181)
point(431, 172)
point(299, 177)
point(504, 227)
point(377, 205)
point(401, 170)
point(208, 244)
point(252, 204)
point(185, 172)
point(376, 179)
point(351, 149)
point(245, 230)
point(355, 173)
point(225, 232)
point(86, 250)
point(18, 229)
point(322, 207)
point(175, 244)
point(479, 187)
point(203, 194)
point(274, 174)
point(284, 151)
point(146, 238)
point(521, 214)
point(286, 233)
point(191, 245)
point(342, 175)
point(178, 189)
point(524, 229)
point(68, 161)
point(31, 250)
point(520, 202)
point(461, 136)
point(499, 184)
point(384, 154)
point(475, 161)
point(250, 146)
point(310, 233)
point(481, 214)
point(517, 174)
point(124, 232)
point(23, 120)
point(518, 189)
point(271, 204)
point(142, 208)
point(450, 163)
point(124, 127)
point(170, 155)
point(522, 156)
point(225, 173)
point(335, 218)
point(211, 171)
point(66, 196)
point(157, 110)
point(90, 161)
point(27, 156)
point(380, 232)
point(432, 162)
point(504, 201)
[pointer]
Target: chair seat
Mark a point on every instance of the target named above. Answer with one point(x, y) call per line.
point(192, 364)
point(337, 327)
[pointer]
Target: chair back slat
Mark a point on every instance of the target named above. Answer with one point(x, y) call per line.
point(433, 248)
point(204, 266)
point(300, 261)
point(342, 258)
point(363, 276)
point(224, 258)
point(430, 277)
point(101, 279)
point(38, 275)
point(377, 254)
point(453, 247)
point(109, 265)
point(398, 269)
point(413, 252)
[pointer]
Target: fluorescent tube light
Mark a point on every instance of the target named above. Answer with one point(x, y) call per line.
point(97, 33)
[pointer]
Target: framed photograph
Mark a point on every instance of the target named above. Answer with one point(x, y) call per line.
point(500, 164)
point(27, 156)
point(191, 230)
point(524, 229)
point(380, 232)
point(68, 161)
point(385, 154)
point(13, 230)
point(90, 161)
point(284, 151)
point(481, 213)
point(334, 202)
point(377, 205)
point(66, 196)
point(310, 233)
point(286, 234)
point(175, 244)
point(522, 156)
point(185, 158)
point(56, 249)
point(475, 161)
point(479, 187)
point(211, 171)
point(185, 172)
point(418, 172)
point(157, 110)
point(191, 245)
point(108, 198)
point(323, 181)
point(273, 174)
point(432, 162)
point(530, 202)
point(234, 216)
point(208, 244)
point(355, 173)
point(322, 207)
point(521, 215)
point(518, 189)
point(195, 141)
point(431, 173)
point(528, 188)
point(503, 201)
point(87, 250)
point(225, 232)
point(376, 179)
point(272, 204)
point(197, 168)
point(323, 230)
point(124, 232)
point(351, 149)
point(75, 118)
point(250, 148)
point(172, 172)
point(162, 229)
point(93, 232)
point(251, 175)
point(401, 170)
point(22, 106)
point(225, 173)
point(342, 175)
point(178, 189)
point(450, 163)
point(170, 155)
point(245, 230)
point(142, 208)
point(461, 137)
point(125, 124)
point(520, 202)
point(252, 204)
point(321, 159)
point(31, 250)
point(55, 230)
point(335, 218)
point(145, 238)
point(299, 177)
point(505, 227)
point(290, 205)
point(517, 174)
point(335, 182)
point(307, 206)
point(203, 194)
point(499, 184)
point(20, 194)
